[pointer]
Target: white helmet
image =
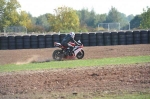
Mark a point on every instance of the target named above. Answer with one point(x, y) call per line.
point(72, 34)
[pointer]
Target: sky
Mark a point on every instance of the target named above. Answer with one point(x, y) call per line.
point(40, 7)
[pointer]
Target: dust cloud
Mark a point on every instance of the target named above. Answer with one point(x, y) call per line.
point(32, 59)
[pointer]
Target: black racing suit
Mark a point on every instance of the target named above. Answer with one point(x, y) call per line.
point(66, 40)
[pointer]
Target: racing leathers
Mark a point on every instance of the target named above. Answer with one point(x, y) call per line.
point(66, 40)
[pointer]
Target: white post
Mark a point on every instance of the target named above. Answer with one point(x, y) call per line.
point(129, 25)
point(108, 26)
point(26, 30)
point(119, 26)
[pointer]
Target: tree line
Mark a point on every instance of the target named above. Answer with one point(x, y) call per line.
point(66, 19)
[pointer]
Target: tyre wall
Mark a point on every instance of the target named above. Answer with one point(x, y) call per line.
point(92, 39)
point(34, 41)
point(3, 42)
point(48, 41)
point(129, 37)
point(144, 37)
point(11, 42)
point(85, 39)
point(19, 42)
point(121, 38)
point(26, 42)
point(136, 37)
point(88, 39)
point(55, 38)
point(149, 36)
point(107, 38)
point(99, 39)
point(41, 41)
point(114, 38)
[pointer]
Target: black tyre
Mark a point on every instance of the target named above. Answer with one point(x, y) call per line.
point(58, 55)
point(80, 55)
point(48, 41)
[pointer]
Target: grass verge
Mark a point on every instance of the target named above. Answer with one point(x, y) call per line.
point(81, 96)
point(75, 63)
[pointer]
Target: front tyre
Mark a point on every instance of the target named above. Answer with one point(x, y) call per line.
point(80, 54)
point(57, 55)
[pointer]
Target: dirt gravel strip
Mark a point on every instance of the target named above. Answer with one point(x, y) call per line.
point(116, 78)
point(28, 55)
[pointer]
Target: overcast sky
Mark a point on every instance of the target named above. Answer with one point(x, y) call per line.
point(40, 7)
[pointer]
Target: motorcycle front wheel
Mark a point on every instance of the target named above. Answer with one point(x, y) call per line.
point(80, 54)
point(57, 55)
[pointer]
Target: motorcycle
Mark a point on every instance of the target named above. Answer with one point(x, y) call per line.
point(65, 53)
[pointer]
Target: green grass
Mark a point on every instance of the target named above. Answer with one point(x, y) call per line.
point(75, 63)
point(125, 96)
point(81, 96)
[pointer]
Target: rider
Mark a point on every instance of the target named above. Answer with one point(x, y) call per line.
point(69, 38)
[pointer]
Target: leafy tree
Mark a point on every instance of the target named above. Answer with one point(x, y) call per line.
point(64, 20)
point(24, 19)
point(113, 16)
point(130, 17)
point(124, 22)
point(135, 22)
point(2, 5)
point(100, 18)
point(83, 17)
point(42, 21)
point(145, 22)
point(90, 20)
point(10, 15)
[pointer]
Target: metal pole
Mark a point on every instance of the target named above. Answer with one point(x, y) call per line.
point(108, 26)
point(26, 30)
point(119, 26)
point(129, 25)
point(4, 29)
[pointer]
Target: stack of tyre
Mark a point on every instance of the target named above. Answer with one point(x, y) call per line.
point(78, 36)
point(149, 36)
point(114, 38)
point(129, 37)
point(92, 39)
point(11, 42)
point(41, 41)
point(144, 37)
point(3, 42)
point(99, 39)
point(34, 41)
point(136, 37)
point(107, 38)
point(48, 41)
point(26, 42)
point(85, 39)
point(19, 42)
point(121, 38)
point(55, 38)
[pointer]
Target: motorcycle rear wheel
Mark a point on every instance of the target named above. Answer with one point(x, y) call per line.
point(80, 54)
point(57, 55)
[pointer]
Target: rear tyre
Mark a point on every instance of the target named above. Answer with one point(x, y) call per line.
point(80, 55)
point(58, 55)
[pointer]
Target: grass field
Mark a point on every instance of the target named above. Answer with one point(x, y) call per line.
point(87, 96)
point(75, 63)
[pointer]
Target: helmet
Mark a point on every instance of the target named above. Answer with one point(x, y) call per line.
point(72, 34)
